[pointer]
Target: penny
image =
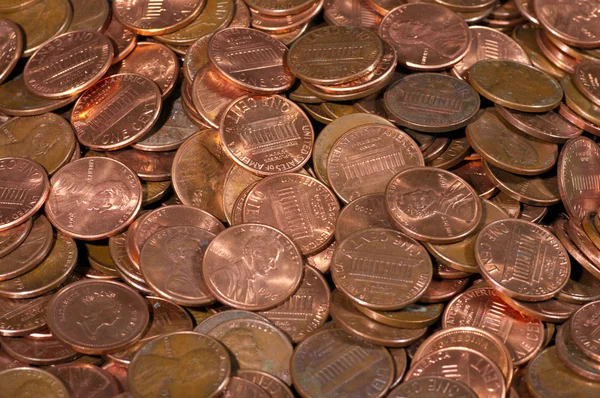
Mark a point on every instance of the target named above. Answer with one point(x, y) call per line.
point(241, 16)
point(317, 55)
point(332, 362)
point(580, 54)
point(483, 308)
point(148, 20)
point(91, 187)
point(238, 267)
point(574, 118)
point(284, 24)
point(383, 7)
point(21, 381)
point(582, 286)
point(585, 245)
point(322, 260)
point(573, 357)
point(301, 95)
point(270, 7)
point(98, 254)
point(503, 146)
point(400, 364)
point(238, 387)
point(38, 352)
point(124, 40)
point(8, 362)
point(433, 387)
point(533, 213)
point(212, 321)
point(16, 100)
point(154, 61)
point(132, 255)
point(452, 155)
point(525, 35)
point(90, 15)
point(422, 43)
point(441, 290)
point(199, 170)
point(21, 317)
point(196, 57)
point(337, 109)
point(56, 15)
point(583, 325)
point(48, 275)
point(579, 177)
point(540, 190)
point(11, 239)
point(215, 15)
point(237, 214)
point(271, 384)
point(465, 365)
point(575, 24)
point(116, 112)
point(547, 375)
point(365, 212)
point(351, 13)
point(47, 139)
point(237, 181)
point(413, 316)
point(85, 380)
point(148, 166)
point(420, 199)
point(590, 229)
point(551, 310)
point(473, 172)
point(119, 373)
point(177, 364)
point(15, 5)
point(579, 103)
point(443, 271)
point(554, 54)
point(439, 145)
point(317, 112)
point(12, 45)
point(365, 158)
point(466, 5)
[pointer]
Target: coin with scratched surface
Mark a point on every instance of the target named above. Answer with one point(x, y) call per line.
point(98, 317)
point(421, 199)
point(150, 19)
point(11, 239)
point(584, 325)
point(116, 111)
point(332, 363)
point(300, 206)
point(426, 36)
point(252, 267)
point(86, 381)
point(577, 24)
point(11, 43)
point(48, 351)
point(586, 78)
point(68, 64)
point(432, 387)
point(180, 364)
point(93, 198)
point(367, 211)
point(20, 382)
point(23, 189)
point(271, 384)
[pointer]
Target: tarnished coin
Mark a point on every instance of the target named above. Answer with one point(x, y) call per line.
point(381, 269)
point(196, 57)
point(16, 5)
point(503, 146)
point(252, 267)
point(587, 79)
point(149, 19)
point(92, 15)
point(237, 181)
point(38, 352)
point(85, 380)
point(472, 172)
point(426, 36)
point(413, 316)
point(367, 211)
point(8, 362)
point(579, 177)
point(300, 206)
point(47, 139)
point(215, 319)
point(531, 90)
point(332, 362)
point(147, 165)
point(93, 198)
point(573, 357)
point(20, 382)
point(285, 25)
point(271, 384)
point(580, 104)
point(590, 252)
point(525, 35)
point(576, 24)
point(21, 317)
point(68, 64)
point(180, 364)
point(16, 100)
point(11, 239)
point(584, 326)
point(365, 158)
point(421, 199)
point(12, 46)
point(116, 111)
point(431, 102)
point(432, 387)
point(242, 388)
point(317, 56)
point(483, 308)
point(270, 7)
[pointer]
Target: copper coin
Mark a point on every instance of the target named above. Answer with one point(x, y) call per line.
point(92, 15)
point(483, 308)
point(212, 321)
point(322, 260)
point(443, 271)
point(20, 382)
point(180, 364)
point(283, 24)
point(465, 365)
point(21, 317)
point(149, 19)
point(365, 158)
point(383, 7)
point(119, 373)
point(574, 118)
point(533, 213)
point(573, 357)
point(68, 64)
point(440, 144)
point(579, 177)
point(333, 363)
point(306, 310)
point(196, 57)
point(242, 388)
point(38, 352)
point(271, 7)
point(466, 5)
point(474, 173)
point(587, 79)
point(317, 57)
point(413, 316)
point(149, 166)
point(12, 46)
point(400, 364)
point(116, 111)
point(8, 362)
point(367, 211)
point(237, 181)
point(123, 39)
point(503, 146)
point(381, 269)
point(16, 5)
point(432, 387)
point(93, 198)
point(23, 189)
point(580, 54)
point(554, 54)
point(582, 286)
point(574, 23)
point(532, 90)
point(237, 214)
point(590, 229)
point(548, 126)
point(96, 317)
point(422, 198)
point(300, 206)
point(584, 328)
point(238, 267)
point(84, 380)
point(590, 252)
point(351, 13)
point(441, 290)
point(552, 310)
point(154, 61)
point(241, 16)
point(452, 155)
point(250, 59)
point(426, 36)
point(11, 239)
point(130, 246)
point(579, 103)
point(271, 384)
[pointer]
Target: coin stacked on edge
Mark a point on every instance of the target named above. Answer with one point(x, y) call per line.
point(309, 198)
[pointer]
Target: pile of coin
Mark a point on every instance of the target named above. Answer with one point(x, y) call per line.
point(316, 198)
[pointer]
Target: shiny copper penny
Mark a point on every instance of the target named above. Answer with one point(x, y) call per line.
point(590, 252)
point(573, 357)
point(317, 56)
point(21, 317)
point(270, 7)
point(123, 39)
point(574, 23)
point(68, 64)
point(93, 198)
point(299, 205)
point(413, 316)
point(426, 36)
point(271, 384)
point(422, 198)
point(84, 380)
point(250, 59)
point(587, 79)
point(472, 172)
point(23, 189)
point(533, 213)
point(11, 239)
point(441, 290)
point(18, 382)
point(116, 111)
point(322, 260)
point(179, 363)
point(239, 266)
point(503, 146)
point(98, 316)
point(583, 326)
point(579, 177)
point(146, 18)
point(148, 165)
point(455, 153)
point(351, 13)
point(38, 352)
point(285, 24)
point(483, 308)
point(217, 318)
point(195, 58)
point(551, 310)
point(333, 362)
point(383, 7)
point(432, 387)
point(237, 181)
point(367, 211)
point(562, 60)
point(12, 46)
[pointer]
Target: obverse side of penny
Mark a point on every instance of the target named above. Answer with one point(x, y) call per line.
point(587, 79)
point(422, 198)
point(84, 380)
point(44, 384)
point(145, 18)
point(584, 325)
point(116, 111)
point(440, 38)
point(367, 211)
point(433, 387)
point(38, 352)
point(16, 100)
point(12, 45)
point(271, 384)
point(576, 24)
